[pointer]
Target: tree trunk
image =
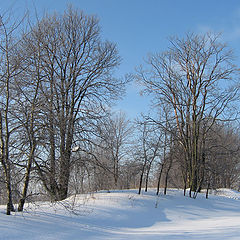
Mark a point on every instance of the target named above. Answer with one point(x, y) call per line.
point(166, 176)
point(159, 179)
point(6, 167)
point(185, 185)
point(116, 173)
point(147, 177)
point(165, 183)
point(10, 207)
point(141, 179)
point(208, 186)
point(27, 179)
point(64, 177)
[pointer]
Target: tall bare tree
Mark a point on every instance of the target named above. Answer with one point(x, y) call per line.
point(28, 109)
point(9, 70)
point(78, 67)
point(196, 78)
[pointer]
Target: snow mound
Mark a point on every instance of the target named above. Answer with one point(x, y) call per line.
point(120, 215)
point(225, 192)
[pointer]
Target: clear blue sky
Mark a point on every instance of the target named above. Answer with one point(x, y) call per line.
point(143, 26)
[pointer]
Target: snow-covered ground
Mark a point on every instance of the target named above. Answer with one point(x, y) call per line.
point(126, 215)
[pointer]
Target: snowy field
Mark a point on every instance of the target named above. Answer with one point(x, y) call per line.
point(126, 215)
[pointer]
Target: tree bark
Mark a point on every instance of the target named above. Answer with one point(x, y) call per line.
point(159, 179)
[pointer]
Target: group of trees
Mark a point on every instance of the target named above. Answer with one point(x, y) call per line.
point(197, 81)
point(56, 80)
point(58, 135)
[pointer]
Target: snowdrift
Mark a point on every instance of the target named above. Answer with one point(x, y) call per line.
point(127, 215)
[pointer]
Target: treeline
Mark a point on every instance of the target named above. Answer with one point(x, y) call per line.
point(59, 137)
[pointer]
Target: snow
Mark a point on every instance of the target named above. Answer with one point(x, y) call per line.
point(127, 215)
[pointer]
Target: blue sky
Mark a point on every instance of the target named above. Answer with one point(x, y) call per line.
point(140, 27)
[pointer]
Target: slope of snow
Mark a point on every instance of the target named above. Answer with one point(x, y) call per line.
point(225, 192)
point(126, 215)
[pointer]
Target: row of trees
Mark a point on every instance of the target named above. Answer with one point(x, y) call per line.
point(58, 135)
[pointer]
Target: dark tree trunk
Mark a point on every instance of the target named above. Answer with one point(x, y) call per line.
point(208, 186)
point(141, 180)
point(52, 173)
point(185, 187)
point(10, 207)
point(6, 166)
point(64, 177)
point(165, 184)
point(166, 176)
point(159, 179)
point(147, 177)
point(27, 179)
point(116, 173)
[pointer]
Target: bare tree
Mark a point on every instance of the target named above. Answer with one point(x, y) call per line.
point(147, 150)
point(28, 108)
point(195, 77)
point(222, 157)
point(115, 137)
point(165, 124)
point(10, 69)
point(78, 68)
